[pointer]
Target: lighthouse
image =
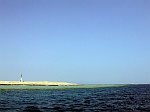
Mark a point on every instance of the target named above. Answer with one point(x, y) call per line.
point(21, 80)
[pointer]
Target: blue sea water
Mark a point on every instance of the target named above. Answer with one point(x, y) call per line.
point(129, 98)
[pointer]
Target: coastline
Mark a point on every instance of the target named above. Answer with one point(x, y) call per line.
point(37, 83)
point(58, 86)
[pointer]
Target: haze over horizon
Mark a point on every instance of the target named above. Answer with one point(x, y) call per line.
point(80, 41)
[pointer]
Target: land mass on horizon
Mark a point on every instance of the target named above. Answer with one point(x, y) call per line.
point(37, 83)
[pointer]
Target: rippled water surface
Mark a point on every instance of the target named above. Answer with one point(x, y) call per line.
point(131, 98)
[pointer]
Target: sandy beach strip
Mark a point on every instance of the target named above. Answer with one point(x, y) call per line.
point(37, 83)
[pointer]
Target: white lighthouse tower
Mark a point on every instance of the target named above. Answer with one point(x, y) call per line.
point(21, 80)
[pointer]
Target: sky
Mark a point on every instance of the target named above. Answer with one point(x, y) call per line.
point(80, 41)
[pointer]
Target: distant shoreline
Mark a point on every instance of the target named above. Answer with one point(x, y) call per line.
point(37, 83)
point(58, 87)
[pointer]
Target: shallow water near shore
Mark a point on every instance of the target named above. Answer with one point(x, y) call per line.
point(85, 98)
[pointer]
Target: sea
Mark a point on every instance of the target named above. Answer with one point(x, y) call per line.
point(84, 98)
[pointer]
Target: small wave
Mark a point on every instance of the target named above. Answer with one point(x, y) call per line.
point(32, 109)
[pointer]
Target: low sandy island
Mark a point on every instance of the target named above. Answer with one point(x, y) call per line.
point(37, 83)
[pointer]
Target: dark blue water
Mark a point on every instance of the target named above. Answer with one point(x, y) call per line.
point(133, 98)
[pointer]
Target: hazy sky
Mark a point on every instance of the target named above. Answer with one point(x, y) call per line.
point(81, 41)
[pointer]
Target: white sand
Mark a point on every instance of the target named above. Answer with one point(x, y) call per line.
point(37, 83)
